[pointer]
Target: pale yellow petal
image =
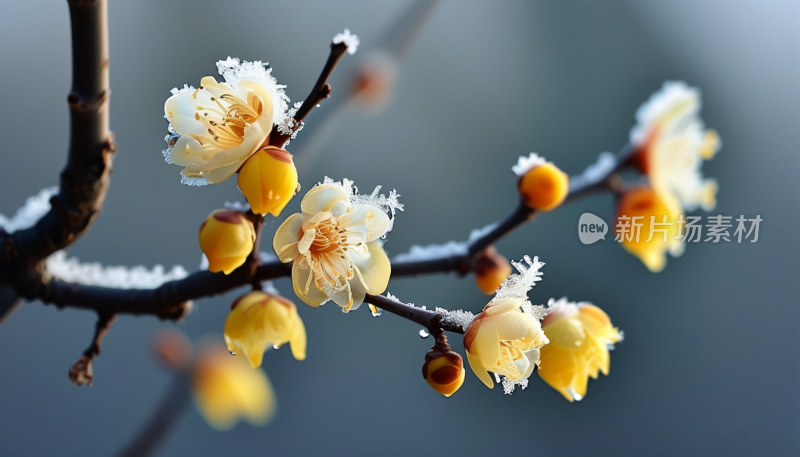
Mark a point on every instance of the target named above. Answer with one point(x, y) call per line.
point(298, 339)
point(314, 297)
point(322, 198)
point(287, 235)
point(479, 370)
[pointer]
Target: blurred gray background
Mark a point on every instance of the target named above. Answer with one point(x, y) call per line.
point(709, 365)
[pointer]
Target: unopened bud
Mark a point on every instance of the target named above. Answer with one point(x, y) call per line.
point(544, 187)
point(443, 368)
point(226, 238)
point(491, 269)
point(269, 180)
point(172, 348)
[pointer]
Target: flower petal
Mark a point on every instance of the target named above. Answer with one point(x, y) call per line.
point(322, 198)
point(314, 297)
point(479, 370)
point(298, 339)
point(287, 235)
point(375, 270)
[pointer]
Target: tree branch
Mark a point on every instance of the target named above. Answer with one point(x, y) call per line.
point(319, 92)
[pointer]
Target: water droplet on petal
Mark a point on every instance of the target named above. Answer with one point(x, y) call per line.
point(276, 347)
point(575, 395)
point(424, 333)
point(233, 353)
point(374, 314)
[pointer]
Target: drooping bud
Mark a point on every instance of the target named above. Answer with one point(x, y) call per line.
point(443, 367)
point(491, 269)
point(543, 187)
point(269, 180)
point(647, 228)
point(226, 238)
point(259, 321)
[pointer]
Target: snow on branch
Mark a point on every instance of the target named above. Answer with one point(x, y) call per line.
point(34, 208)
point(117, 277)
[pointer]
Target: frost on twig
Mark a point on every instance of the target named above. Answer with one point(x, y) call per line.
point(595, 172)
point(349, 39)
point(456, 318)
point(417, 253)
point(34, 208)
point(117, 277)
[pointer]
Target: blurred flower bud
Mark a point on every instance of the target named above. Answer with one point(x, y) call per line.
point(640, 214)
point(269, 180)
point(226, 238)
point(225, 389)
point(443, 368)
point(374, 81)
point(580, 337)
point(542, 185)
point(172, 348)
point(259, 321)
point(491, 269)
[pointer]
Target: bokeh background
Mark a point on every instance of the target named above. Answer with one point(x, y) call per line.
point(709, 365)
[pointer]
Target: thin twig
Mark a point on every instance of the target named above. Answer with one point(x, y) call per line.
point(81, 371)
point(319, 92)
point(171, 407)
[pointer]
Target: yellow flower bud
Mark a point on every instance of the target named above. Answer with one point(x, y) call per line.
point(491, 269)
point(544, 187)
point(226, 238)
point(269, 180)
point(444, 370)
point(635, 225)
point(580, 335)
point(225, 389)
point(259, 321)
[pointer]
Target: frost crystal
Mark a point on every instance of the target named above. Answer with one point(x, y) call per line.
point(456, 318)
point(674, 95)
point(34, 208)
point(118, 277)
point(518, 285)
point(524, 164)
point(432, 251)
point(390, 205)
point(350, 40)
point(595, 172)
point(509, 385)
point(237, 206)
point(234, 71)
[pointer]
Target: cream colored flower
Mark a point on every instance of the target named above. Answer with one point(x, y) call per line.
point(215, 128)
point(226, 389)
point(580, 337)
point(335, 244)
point(671, 144)
point(506, 337)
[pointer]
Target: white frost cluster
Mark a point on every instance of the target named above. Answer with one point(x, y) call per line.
point(118, 277)
point(675, 100)
point(518, 285)
point(390, 205)
point(509, 385)
point(561, 306)
point(350, 40)
point(597, 171)
point(524, 164)
point(34, 208)
point(417, 253)
point(457, 318)
point(237, 206)
point(235, 71)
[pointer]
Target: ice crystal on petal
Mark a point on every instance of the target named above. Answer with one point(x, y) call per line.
point(509, 385)
point(524, 164)
point(389, 205)
point(193, 180)
point(518, 285)
point(119, 277)
point(234, 71)
point(350, 40)
point(672, 94)
point(34, 208)
point(456, 318)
